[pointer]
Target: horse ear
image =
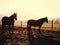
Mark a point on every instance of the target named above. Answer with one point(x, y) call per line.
point(15, 13)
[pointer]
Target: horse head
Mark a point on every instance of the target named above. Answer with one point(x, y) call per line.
point(15, 16)
point(46, 19)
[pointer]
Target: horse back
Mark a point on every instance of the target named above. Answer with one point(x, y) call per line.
point(7, 20)
point(33, 22)
point(4, 19)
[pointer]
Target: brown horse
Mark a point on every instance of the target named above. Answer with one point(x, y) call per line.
point(38, 22)
point(9, 21)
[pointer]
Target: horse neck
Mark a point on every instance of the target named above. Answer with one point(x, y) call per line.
point(42, 21)
point(11, 17)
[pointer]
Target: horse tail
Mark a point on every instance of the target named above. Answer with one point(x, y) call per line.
point(27, 26)
point(3, 24)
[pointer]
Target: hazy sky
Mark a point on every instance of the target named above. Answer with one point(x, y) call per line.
point(30, 9)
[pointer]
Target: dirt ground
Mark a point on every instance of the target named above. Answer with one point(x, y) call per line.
point(20, 37)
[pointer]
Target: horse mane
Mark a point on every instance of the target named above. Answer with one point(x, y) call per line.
point(13, 15)
point(42, 18)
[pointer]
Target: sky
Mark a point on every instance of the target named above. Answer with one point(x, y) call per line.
point(30, 9)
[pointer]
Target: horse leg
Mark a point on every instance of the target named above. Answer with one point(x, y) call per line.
point(40, 31)
point(12, 28)
point(28, 29)
point(9, 28)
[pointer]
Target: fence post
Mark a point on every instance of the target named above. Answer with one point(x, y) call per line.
point(21, 24)
point(52, 25)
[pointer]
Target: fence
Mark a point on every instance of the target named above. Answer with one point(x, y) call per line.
point(46, 26)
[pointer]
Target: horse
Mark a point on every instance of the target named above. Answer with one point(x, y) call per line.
point(9, 21)
point(38, 23)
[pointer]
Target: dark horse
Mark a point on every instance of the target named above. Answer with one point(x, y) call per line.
point(38, 22)
point(9, 21)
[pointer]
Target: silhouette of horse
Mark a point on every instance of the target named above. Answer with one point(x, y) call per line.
point(38, 22)
point(9, 21)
